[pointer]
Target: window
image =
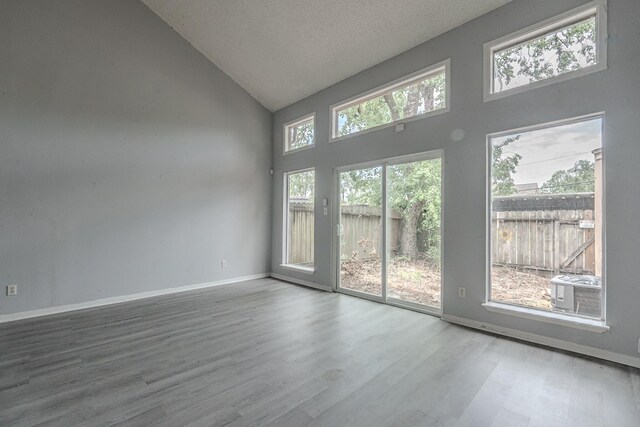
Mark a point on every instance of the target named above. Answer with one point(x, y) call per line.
point(546, 196)
point(299, 134)
point(558, 49)
point(415, 96)
point(299, 218)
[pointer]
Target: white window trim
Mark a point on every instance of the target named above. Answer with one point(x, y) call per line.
point(584, 323)
point(300, 268)
point(599, 7)
point(593, 324)
point(437, 154)
point(285, 222)
point(373, 93)
point(293, 123)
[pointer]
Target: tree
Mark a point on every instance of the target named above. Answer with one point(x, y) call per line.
point(300, 135)
point(414, 190)
point(503, 167)
point(578, 179)
point(362, 187)
point(416, 98)
point(301, 185)
point(412, 182)
point(569, 49)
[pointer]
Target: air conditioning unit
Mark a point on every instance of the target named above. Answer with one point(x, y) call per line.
point(577, 295)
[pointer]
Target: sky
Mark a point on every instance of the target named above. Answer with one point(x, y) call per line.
point(548, 150)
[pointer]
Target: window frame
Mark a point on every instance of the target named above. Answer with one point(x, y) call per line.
point(293, 123)
point(384, 163)
point(285, 222)
point(597, 8)
point(390, 86)
point(592, 324)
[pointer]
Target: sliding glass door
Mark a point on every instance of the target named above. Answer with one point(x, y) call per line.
point(389, 231)
point(361, 230)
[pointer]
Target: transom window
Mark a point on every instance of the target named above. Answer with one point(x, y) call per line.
point(413, 96)
point(564, 47)
point(299, 134)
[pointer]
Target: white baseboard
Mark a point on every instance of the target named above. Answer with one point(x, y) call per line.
point(124, 298)
point(301, 282)
point(540, 339)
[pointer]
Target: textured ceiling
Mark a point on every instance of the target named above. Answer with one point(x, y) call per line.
point(281, 51)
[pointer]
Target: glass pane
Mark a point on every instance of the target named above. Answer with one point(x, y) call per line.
point(414, 202)
point(558, 52)
point(546, 219)
point(417, 97)
point(300, 218)
point(299, 135)
point(361, 230)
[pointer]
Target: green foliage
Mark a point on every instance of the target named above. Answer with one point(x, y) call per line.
point(578, 179)
point(418, 183)
point(413, 188)
point(300, 135)
point(502, 168)
point(434, 249)
point(365, 115)
point(569, 49)
point(408, 101)
point(362, 187)
point(302, 185)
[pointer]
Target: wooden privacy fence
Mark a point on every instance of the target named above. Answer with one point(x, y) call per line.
point(301, 238)
point(553, 233)
point(549, 233)
point(361, 231)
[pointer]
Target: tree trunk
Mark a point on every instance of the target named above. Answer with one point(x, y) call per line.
point(413, 101)
point(393, 107)
point(429, 100)
point(409, 236)
point(293, 138)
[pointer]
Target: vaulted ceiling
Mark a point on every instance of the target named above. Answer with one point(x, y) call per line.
point(281, 51)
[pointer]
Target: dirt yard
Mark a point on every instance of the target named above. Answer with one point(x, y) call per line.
point(419, 281)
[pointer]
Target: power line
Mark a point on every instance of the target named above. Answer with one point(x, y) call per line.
point(554, 158)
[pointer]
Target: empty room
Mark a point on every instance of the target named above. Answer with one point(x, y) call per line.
point(319, 213)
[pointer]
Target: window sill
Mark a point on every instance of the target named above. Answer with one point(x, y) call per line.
point(592, 325)
point(300, 268)
point(297, 150)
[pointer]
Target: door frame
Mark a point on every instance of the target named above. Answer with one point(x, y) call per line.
point(335, 217)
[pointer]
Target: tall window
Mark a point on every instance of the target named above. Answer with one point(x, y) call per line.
point(299, 134)
point(416, 95)
point(546, 218)
point(560, 48)
point(299, 219)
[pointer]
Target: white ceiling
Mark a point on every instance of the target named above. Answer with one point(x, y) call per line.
point(281, 51)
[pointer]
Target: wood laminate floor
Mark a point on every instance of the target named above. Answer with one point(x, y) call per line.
point(266, 352)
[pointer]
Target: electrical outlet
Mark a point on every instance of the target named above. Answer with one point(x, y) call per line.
point(12, 290)
point(223, 263)
point(462, 292)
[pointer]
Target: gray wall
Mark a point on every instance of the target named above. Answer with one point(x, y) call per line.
point(128, 162)
point(615, 91)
